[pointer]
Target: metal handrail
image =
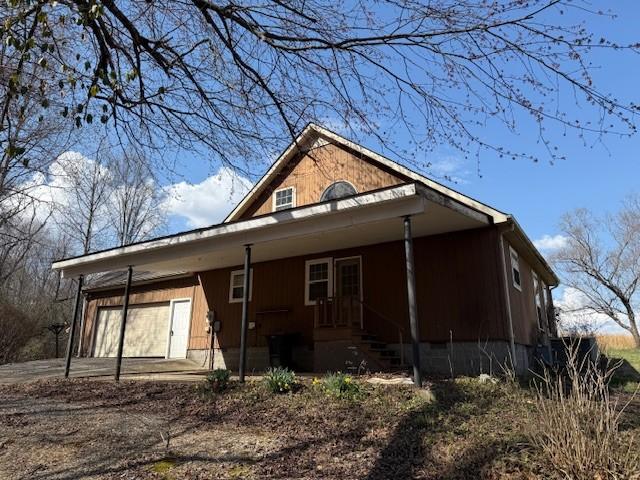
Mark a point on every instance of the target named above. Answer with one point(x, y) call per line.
point(324, 301)
point(393, 322)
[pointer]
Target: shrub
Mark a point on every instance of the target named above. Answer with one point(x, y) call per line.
point(218, 380)
point(280, 380)
point(17, 329)
point(574, 422)
point(340, 385)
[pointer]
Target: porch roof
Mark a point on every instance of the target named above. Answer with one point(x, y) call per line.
point(363, 219)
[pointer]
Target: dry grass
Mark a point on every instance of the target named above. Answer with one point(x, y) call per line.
point(575, 424)
point(461, 429)
point(616, 341)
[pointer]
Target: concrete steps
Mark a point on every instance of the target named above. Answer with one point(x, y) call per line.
point(376, 351)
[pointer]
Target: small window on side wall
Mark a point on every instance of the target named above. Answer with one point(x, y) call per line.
point(284, 198)
point(318, 280)
point(515, 269)
point(236, 286)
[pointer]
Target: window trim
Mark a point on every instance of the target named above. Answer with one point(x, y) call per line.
point(329, 262)
point(293, 198)
point(515, 266)
point(235, 273)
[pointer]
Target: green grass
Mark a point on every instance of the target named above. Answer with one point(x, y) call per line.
point(627, 377)
point(631, 355)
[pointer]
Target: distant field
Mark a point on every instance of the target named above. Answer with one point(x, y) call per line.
point(614, 341)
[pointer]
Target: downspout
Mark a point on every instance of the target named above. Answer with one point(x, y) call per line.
point(507, 296)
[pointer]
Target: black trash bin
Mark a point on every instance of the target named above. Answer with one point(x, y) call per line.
point(280, 348)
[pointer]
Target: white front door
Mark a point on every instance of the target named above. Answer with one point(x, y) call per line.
point(179, 328)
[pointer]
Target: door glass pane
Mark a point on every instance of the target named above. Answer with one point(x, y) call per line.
point(350, 279)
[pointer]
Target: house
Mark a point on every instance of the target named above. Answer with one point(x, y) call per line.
point(343, 248)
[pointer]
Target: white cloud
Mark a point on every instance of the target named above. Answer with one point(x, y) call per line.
point(450, 168)
point(573, 316)
point(45, 192)
point(549, 243)
point(207, 202)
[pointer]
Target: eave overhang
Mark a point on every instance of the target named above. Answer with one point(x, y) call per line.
point(368, 218)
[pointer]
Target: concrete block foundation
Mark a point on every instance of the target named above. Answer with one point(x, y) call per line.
point(469, 358)
point(457, 358)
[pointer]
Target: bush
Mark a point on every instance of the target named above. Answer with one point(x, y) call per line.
point(340, 385)
point(217, 381)
point(574, 422)
point(17, 329)
point(280, 380)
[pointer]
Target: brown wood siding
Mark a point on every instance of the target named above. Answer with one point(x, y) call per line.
point(457, 281)
point(523, 310)
point(143, 294)
point(199, 338)
point(313, 172)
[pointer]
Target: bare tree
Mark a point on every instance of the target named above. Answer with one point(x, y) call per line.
point(32, 135)
point(33, 297)
point(85, 193)
point(232, 77)
point(602, 261)
point(135, 200)
point(18, 238)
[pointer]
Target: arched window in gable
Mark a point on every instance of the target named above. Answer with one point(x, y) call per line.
point(338, 189)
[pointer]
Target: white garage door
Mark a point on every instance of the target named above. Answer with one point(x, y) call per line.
point(145, 334)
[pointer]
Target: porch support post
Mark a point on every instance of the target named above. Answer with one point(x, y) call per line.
point(72, 332)
point(245, 312)
point(123, 323)
point(411, 297)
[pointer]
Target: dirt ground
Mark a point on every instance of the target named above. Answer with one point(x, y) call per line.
point(147, 430)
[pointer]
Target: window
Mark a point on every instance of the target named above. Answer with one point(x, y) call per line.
point(536, 297)
point(318, 280)
point(284, 198)
point(236, 286)
point(338, 189)
point(515, 269)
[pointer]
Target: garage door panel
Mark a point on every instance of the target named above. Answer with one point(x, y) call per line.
point(108, 329)
point(145, 336)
